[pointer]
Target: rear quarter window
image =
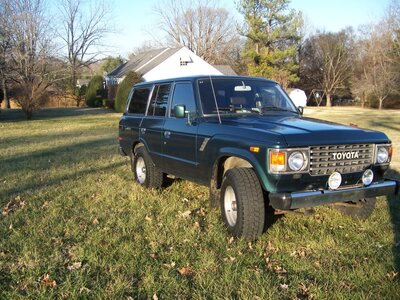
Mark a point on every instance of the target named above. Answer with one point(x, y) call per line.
point(138, 101)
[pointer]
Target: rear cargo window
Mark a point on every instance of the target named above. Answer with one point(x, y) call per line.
point(138, 102)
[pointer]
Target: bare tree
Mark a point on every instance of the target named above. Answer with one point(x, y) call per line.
point(83, 30)
point(379, 74)
point(5, 48)
point(145, 47)
point(209, 31)
point(330, 63)
point(33, 65)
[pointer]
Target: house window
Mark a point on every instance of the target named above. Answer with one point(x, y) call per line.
point(184, 60)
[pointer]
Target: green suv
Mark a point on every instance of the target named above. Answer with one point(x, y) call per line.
point(244, 138)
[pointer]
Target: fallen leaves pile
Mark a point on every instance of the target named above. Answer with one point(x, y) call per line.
point(13, 205)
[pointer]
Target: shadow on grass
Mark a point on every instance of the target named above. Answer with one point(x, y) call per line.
point(46, 138)
point(62, 157)
point(15, 115)
point(35, 186)
point(394, 210)
point(388, 124)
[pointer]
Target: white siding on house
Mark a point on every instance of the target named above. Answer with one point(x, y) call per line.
point(171, 67)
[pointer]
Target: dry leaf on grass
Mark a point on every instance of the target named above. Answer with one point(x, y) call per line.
point(84, 289)
point(392, 275)
point(185, 214)
point(283, 286)
point(230, 258)
point(75, 266)
point(301, 252)
point(304, 292)
point(186, 271)
point(95, 221)
point(201, 211)
point(170, 266)
point(274, 266)
point(47, 281)
point(155, 297)
point(13, 205)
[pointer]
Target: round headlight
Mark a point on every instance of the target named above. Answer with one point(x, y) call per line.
point(296, 161)
point(335, 180)
point(367, 177)
point(383, 155)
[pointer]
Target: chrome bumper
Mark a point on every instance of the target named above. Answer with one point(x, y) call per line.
point(287, 201)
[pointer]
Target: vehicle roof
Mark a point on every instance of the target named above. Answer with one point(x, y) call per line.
point(194, 78)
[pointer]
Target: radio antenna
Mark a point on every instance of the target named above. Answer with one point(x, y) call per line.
point(215, 100)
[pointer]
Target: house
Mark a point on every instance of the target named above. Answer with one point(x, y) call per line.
point(164, 63)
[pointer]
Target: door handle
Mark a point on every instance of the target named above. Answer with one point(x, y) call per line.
point(167, 134)
point(142, 130)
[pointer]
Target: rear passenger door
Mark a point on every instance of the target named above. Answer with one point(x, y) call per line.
point(179, 137)
point(151, 128)
point(131, 119)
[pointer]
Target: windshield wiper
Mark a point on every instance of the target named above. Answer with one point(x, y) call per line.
point(276, 108)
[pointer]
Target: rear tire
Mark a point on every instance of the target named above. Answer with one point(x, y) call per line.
point(144, 171)
point(361, 209)
point(242, 203)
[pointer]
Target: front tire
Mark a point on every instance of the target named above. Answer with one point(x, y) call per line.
point(361, 209)
point(242, 203)
point(144, 171)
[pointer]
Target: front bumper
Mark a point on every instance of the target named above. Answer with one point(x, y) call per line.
point(295, 200)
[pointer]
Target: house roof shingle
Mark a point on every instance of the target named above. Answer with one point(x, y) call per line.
point(225, 69)
point(143, 62)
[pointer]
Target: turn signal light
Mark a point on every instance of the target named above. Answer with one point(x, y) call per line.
point(255, 149)
point(277, 161)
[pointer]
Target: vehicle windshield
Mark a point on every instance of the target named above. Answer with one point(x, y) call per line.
point(238, 96)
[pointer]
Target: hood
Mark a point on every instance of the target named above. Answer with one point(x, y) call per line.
point(300, 131)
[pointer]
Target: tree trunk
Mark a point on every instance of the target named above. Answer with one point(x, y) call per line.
point(381, 102)
point(72, 86)
point(28, 113)
point(328, 100)
point(6, 99)
point(362, 98)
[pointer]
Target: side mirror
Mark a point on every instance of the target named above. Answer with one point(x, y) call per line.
point(179, 111)
point(300, 109)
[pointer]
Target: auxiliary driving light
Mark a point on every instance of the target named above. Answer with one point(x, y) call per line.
point(334, 180)
point(367, 177)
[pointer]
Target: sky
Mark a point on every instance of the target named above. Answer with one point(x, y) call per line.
point(135, 21)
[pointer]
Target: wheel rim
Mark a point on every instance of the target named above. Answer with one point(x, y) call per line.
point(230, 206)
point(141, 170)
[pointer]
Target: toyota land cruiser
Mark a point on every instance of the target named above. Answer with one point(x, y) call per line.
point(244, 138)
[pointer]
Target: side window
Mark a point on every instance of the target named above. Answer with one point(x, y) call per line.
point(159, 100)
point(183, 95)
point(138, 102)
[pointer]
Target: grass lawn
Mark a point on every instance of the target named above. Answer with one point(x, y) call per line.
point(75, 225)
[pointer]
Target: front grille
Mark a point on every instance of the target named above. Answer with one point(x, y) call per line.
point(328, 159)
